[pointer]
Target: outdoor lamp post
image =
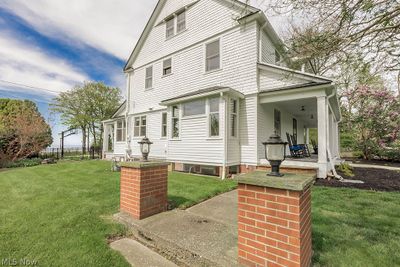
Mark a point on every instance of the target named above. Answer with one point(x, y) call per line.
point(145, 148)
point(275, 153)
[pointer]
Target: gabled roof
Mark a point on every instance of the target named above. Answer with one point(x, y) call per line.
point(119, 109)
point(202, 93)
point(160, 4)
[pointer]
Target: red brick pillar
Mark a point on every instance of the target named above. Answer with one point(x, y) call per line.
point(274, 220)
point(144, 187)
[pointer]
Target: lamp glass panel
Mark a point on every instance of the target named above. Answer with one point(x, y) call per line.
point(275, 152)
point(145, 148)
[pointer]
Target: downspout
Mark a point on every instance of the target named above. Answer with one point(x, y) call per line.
point(335, 174)
point(225, 137)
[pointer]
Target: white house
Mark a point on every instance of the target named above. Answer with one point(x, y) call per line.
point(207, 85)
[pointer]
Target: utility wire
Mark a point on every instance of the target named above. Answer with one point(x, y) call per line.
point(29, 86)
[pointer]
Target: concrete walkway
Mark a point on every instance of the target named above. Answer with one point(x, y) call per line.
point(357, 165)
point(203, 235)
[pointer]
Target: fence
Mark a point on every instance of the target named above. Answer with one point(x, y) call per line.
point(70, 153)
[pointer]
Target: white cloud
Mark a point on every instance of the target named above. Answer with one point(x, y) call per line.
point(110, 26)
point(25, 64)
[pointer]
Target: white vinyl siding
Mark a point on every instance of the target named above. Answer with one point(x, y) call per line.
point(213, 56)
point(140, 125)
point(121, 131)
point(149, 78)
point(181, 22)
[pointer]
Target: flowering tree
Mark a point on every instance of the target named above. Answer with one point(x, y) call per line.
point(372, 115)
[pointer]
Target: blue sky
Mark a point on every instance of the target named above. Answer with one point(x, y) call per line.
point(48, 46)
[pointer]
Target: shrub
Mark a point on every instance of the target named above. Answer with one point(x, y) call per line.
point(346, 169)
point(23, 163)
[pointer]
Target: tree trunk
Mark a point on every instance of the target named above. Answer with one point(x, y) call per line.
point(83, 140)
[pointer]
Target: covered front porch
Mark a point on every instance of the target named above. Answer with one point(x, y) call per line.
point(308, 116)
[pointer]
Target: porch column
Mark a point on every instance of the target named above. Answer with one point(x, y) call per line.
point(322, 136)
point(105, 139)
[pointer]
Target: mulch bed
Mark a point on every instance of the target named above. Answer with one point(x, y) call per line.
point(374, 179)
point(374, 162)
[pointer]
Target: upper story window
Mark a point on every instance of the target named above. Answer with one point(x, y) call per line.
point(181, 22)
point(139, 128)
point(167, 66)
point(170, 27)
point(121, 131)
point(213, 55)
point(277, 56)
point(149, 78)
point(193, 108)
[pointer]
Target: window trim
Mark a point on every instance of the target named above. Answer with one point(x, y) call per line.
point(163, 67)
point(149, 77)
point(209, 113)
point(177, 22)
point(219, 53)
point(164, 125)
point(140, 126)
point(123, 140)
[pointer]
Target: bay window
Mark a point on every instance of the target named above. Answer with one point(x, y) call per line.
point(175, 122)
point(121, 131)
point(214, 117)
point(233, 117)
point(194, 108)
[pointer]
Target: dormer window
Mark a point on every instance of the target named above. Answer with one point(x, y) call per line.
point(181, 22)
point(170, 27)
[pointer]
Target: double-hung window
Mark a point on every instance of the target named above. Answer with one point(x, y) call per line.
point(175, 122)
point(149, 78)
point(234, 117)
point(170, 27)
point(121, 131)
point(213, 56)
point(214, 117)
point(181, 22)
point(167, 66)
point(164, 124)
point(139, 128)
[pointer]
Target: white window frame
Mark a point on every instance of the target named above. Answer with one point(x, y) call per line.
point(123, 129)
point(140, 126)
point(163, 67)
point(219, 53)
point(172, 19)
point(234, 134)
point(150, 78)
point(179, 118)
point(209, 113)
point(164, 124)
point(177, 21)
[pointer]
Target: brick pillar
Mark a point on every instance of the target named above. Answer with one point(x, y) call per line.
point(274, 220)
point(144, 187)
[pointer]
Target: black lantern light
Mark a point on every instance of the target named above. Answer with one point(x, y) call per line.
point(275, 153)
point(145, 148)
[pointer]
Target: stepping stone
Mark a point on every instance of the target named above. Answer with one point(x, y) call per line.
point(139, 255)
point(352, 181)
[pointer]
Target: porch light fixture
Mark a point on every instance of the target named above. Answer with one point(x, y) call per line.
point(275, 153)
point(145, 148)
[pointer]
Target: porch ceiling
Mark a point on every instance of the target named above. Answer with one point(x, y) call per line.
point(308, 114)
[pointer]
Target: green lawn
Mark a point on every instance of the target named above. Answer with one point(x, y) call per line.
point(60, 214)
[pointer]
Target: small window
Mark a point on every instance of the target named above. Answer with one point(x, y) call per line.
point(175, 122)
point(149, 77)
point(277, 56)
point(213, 56)
point(193, 108)
point(170, 28)
point(295, 128)
point(121, 131)
point(214, 117)
point(181, 22)
point(164, 124)
point(234, 111)
point(277, 122)
point(167, 66)
point(139, 128)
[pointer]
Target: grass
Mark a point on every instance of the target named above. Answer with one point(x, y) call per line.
point(60, 215)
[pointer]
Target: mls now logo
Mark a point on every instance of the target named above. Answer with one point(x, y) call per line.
point(16, 262)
